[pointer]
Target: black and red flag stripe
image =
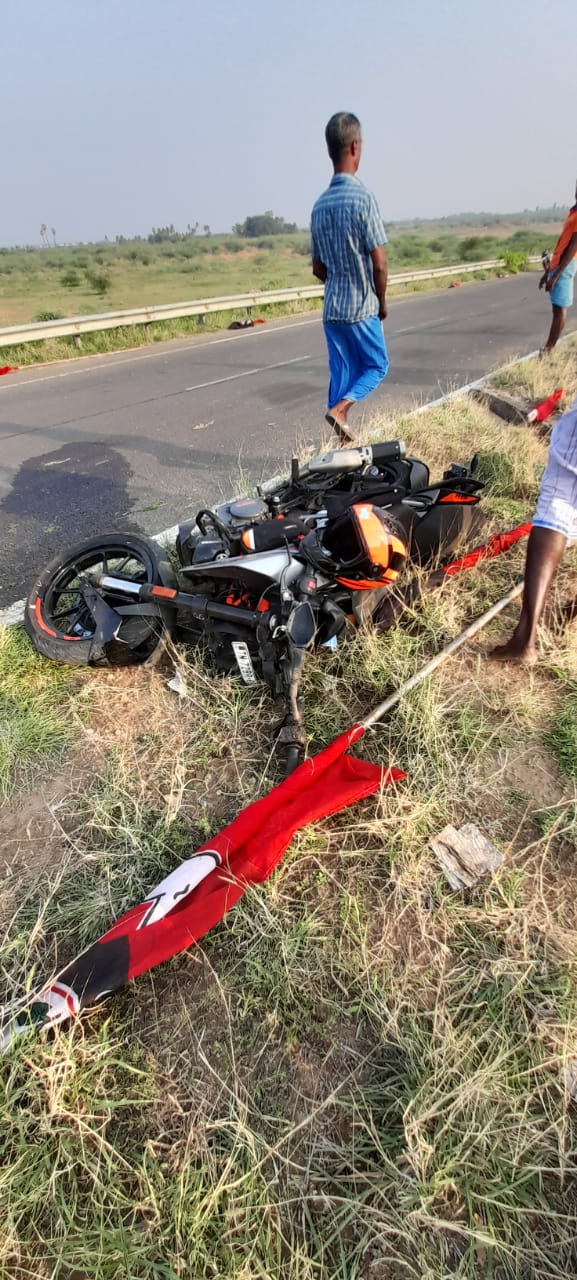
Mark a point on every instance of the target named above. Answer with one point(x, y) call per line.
point(199, 892)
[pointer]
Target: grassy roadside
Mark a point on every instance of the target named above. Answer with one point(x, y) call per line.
point(132, 336)
point(84, 278)
point(360, 1074)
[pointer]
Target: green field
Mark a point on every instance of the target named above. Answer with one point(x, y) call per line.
point(360, 1074)
point(53, 282)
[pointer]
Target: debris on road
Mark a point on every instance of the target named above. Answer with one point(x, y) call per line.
point(246, 324)
point(178, 684)
point(516, 409)
point(465, 855)
point(569, 1077)
point(545, 408)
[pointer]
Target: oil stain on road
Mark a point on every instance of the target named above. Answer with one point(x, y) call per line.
point(57, 500)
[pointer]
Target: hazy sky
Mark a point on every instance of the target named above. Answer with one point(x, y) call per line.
point(123, 114)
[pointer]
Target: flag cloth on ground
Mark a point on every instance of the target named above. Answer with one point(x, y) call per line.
point(544, 410)
point(199, 892)
point(496, 545)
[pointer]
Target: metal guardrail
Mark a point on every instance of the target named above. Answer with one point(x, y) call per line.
point(75, 326)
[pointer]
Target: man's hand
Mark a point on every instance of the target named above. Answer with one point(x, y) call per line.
point(383, 311)
point(567, 256)
point(543, 280)
point(319, 270)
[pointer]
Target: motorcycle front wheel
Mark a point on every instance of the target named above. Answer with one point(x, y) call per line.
point(59, 621)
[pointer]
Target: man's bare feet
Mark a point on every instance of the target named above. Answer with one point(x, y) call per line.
point(337, 419)
point(339, 425)
point(515, 651)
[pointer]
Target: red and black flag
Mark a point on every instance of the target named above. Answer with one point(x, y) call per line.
point(199, 892)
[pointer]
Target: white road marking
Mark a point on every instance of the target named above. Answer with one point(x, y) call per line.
point(138, 354)
point(247, 373)
point(12, 614)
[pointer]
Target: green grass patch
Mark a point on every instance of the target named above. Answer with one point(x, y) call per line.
point(359, 1074)
point(132, 336)
point(562, 735)
point(35, 709)
point(62, 281)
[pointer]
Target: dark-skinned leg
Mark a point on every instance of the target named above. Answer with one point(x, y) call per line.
point(337, 418)
point(544, 551)
point(557, 327)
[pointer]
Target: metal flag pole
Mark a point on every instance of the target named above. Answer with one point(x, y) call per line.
point(439, 658)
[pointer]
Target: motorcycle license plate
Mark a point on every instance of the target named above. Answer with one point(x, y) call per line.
point(244, 661)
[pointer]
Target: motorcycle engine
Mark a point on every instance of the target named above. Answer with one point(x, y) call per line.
point(202, 540)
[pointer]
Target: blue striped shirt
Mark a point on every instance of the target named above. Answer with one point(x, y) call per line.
point(345, 228)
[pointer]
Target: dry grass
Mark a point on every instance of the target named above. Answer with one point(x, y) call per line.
point(360, 1075)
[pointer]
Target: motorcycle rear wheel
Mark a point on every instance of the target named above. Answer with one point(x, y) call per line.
point(57, 617)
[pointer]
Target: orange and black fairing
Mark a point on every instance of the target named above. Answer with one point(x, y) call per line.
point(367, 548)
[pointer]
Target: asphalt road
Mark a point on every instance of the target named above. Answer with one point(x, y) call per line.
point(139, 439)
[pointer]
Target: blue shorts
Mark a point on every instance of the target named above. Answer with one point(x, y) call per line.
point(562, 292)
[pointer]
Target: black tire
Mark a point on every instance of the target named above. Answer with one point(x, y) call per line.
point(64, 634)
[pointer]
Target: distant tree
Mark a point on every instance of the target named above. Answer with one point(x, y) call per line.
point(164, 235)
point(53, 234)
point(44, 235)
point(191, 229)
point(264, 224)
point(206, 229)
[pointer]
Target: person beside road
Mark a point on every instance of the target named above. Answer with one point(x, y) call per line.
point(559, 276)
point(554, 524)
point(348, 239)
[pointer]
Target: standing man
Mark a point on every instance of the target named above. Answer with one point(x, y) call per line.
point(554, 523)
point(558, 279)
point(348, 256)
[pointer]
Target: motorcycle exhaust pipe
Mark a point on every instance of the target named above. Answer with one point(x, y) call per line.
point(355, 457)
point(390, 451)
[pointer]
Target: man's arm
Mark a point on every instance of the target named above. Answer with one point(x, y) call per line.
point(375, 238)
point(380, 276)
point(319, 270)
point(564, 261)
